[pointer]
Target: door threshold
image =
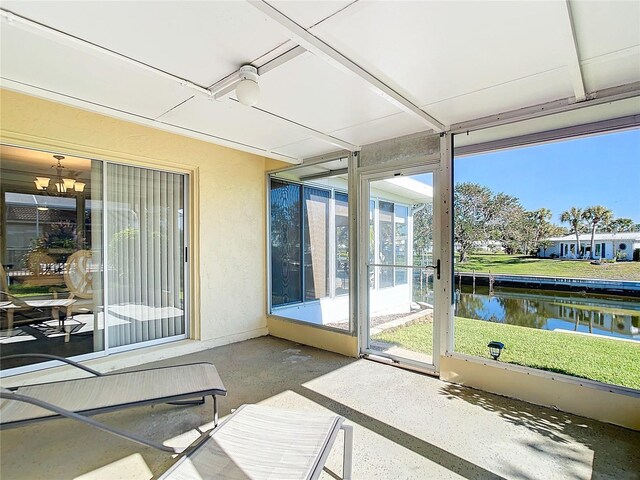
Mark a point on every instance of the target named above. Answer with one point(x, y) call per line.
point(399, 363)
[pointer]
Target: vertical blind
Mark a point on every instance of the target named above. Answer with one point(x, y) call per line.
point(145, 255)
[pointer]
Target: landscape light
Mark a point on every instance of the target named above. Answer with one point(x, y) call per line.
point(495, 349)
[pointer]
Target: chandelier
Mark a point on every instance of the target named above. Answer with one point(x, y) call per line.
point(62, 184)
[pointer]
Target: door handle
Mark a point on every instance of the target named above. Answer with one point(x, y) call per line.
point(436, 267)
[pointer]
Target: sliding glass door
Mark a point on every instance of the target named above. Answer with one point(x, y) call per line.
point(145, 255)
point(92, 257)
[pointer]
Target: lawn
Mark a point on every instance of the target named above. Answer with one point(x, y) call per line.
point(517, 264)
point(601, 359)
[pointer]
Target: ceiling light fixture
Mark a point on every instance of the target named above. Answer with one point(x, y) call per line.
point(247, 89)
point(62, 184)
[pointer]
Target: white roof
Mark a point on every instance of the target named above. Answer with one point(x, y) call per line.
point(364, 71)
point(599, 237)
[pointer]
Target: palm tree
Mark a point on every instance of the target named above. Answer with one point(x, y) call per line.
point(573, 217)
point(596, 216)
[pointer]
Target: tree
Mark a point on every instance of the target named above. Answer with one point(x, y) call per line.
point(506, 224)
point(422, 231)
point(473, 211)
point(573, 217)
point(538, 229)
point(596, 216)
point(621, 225)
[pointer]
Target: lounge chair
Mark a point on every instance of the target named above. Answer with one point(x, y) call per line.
point(108, 392)
point(255, 442)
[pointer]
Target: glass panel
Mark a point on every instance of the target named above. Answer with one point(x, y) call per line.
point(51, 252)
point(557, 302)
point(401, 239)
point(286, 283)
point(401, 311)
point(385, 243)
point(310, 225)
point(145, 255)
point(342, 243)
point(316, 243)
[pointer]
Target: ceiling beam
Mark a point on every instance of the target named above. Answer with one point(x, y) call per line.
point(322, 50)
point(594, 128)
point(221, 89)
point(573, 54)
point(607, 95)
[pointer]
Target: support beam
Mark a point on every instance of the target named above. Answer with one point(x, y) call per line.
point(573, 55)
point(221, 89)
point(594, 128)
point(319, 48)
point(607, 95)
point(281, 60)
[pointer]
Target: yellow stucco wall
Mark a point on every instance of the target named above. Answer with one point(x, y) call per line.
point(315, 337)
point(559, 393)
point(229, 191)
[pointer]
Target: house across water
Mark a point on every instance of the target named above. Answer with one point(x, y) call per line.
point(606, 246)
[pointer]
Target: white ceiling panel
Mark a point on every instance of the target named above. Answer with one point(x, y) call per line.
point(431, 51)
point(529, 91)
point(306, 13)
point(381, 129)
point(612, 70)
point(604, 27)
point(199, 41)
point(605, 111)
point(306, 148)
point(310, 91)
point(234, 121)
point(37, 60)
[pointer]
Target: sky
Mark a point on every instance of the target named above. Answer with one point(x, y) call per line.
point(597, 170)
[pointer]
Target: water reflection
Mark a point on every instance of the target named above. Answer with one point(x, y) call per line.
point(550, 310)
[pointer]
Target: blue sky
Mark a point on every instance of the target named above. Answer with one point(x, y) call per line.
point(598, 170)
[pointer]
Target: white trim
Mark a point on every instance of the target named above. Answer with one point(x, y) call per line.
point(573, 54)
point(149, 343)
point(319, 48)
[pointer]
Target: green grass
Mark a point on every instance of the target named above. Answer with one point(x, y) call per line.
point(517, 264)
point(21, 290)
point(601, 359)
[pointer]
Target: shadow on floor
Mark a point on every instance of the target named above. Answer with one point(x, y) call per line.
point(429, 451)
point(564, 429)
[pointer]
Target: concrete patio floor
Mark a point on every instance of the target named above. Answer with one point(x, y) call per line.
point(406, 425)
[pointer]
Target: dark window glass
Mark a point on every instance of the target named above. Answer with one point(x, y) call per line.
point(286, 285)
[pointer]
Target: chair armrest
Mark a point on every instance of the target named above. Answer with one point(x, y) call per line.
point(8, 395)
point(54, 357)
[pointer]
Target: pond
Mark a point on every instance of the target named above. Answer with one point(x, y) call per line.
point(608, 315)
